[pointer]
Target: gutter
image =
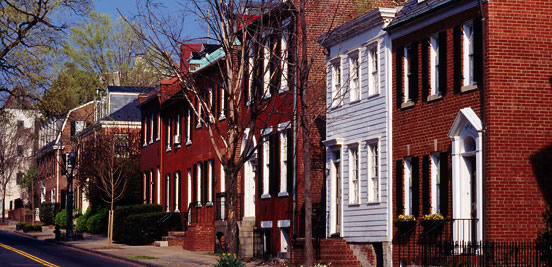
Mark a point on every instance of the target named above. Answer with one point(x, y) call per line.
point(421, 14)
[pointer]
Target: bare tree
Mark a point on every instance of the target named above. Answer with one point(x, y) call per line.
point(14, 150)
point(108, 161)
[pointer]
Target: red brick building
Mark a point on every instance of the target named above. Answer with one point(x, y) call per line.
point(469, 135)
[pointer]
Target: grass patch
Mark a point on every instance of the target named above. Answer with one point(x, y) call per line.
point(143, 257)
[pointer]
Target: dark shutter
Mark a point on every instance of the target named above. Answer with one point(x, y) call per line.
point(415, 186)
point(444, 175)
point(194, 184)
point(425, 69)
point(478, 50)
point(274, 164)
point(443, 63)
point(399, 76)
point(191, 118)
point(290, 162)
point(213, 184)
point(426, 189)
point(399, 186)
point(225, 98)
point(260, 167)
point(457, 57)
point(413, 81)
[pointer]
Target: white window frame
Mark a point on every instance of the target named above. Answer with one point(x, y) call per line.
point(435, 183)
point(373, 160)
point(284, 164)
point(168, 134)
point(266, 163)
point(211, 95)
point(144, 135)
point(168, 192)
point(211, 163)
point(177, 191)
point(354, 76)
point(199, 180)
point(407, 186)
point(145, 188)
point(407, 74)
point(189, 188)
point(337, 95)
point(222, 103)
point(373, 66)
point(266, 67)
point(284, 40)
point(468, 56)
point(189, 127)
point(251, 71)
point(158, 186)
point(199, 112)
point(158, 137)
point(354, 174)
point(177, 136)
point(434, 64)
point(151, 129)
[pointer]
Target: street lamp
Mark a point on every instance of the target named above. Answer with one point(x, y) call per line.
point(69, 166)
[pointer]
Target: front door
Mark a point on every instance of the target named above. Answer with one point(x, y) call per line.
point(337, 164)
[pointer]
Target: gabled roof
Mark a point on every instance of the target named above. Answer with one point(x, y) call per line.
point(18, 99)
point(413, 10)
point(128, 89)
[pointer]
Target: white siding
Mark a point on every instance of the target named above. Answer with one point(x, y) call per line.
point(357, 123)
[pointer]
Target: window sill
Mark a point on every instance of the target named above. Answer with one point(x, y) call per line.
point(434, 97)
point(283, 194)
point(209, 204)
point(282, 90)
point(168, 149)
point(188, 143)
point(176, 146)
point(157, 139)
point(198, 126)
point(407, 104)
point(198, 205)
point(222, 117)
point(354, 204)
point(354, 101)
point(150, 142)
point(144, 145)
point(468, 88)
point(375, 202)
point(265, 196)
point(374, 95)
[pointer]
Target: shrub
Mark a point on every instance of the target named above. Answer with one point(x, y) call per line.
point(82, 221)
point(20, 225)
point(61, 219)
point(28, 227)
point(544, 238)
point(48, 212)
point(120, 230)
point(227, 260)
point(97, 223)
point(141, 229)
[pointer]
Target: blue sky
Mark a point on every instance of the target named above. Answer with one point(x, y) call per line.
point(128, 8)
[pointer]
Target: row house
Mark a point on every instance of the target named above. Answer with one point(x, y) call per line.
point(358, 138)
point(182, 172)
point(55, 137)
point(468, 144)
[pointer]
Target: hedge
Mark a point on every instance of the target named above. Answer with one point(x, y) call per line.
point(48, 212)
point(97, 223)
point(120, 229)
point(28, 227)
point(145, 228)
point(61, 219)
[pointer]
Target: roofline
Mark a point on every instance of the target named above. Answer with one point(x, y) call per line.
point(67, 118)
point(421, 14)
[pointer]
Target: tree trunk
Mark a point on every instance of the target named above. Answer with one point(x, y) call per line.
point(3, 208)
point(231, 240)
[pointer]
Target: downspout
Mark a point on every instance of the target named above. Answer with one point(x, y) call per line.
point(294, 132)
point(482, 102)
point(57, 175)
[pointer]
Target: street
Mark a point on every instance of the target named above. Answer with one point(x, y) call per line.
point(16, 250)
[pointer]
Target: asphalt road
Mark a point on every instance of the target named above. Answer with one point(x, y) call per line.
point(16, 250)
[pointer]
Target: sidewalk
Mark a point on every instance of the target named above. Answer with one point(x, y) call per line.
point(141, 255)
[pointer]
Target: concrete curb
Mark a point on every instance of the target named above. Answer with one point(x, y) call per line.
point(104, 254)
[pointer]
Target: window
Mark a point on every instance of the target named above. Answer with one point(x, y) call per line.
point(168, 192)
point(354, 176)
point(373, 174)
point(121, 144)
point(408, 187)
point(222, 114)
point(19, 178)
point(189, 127)
point(177, 129)
point(354, 77)
point(158, 186)
point(199, 112)
point(168, 141)
point(435, 184)
point(374, 81)
point(284, 41)
point(157, 128)
point(189, 184)
point(20, 150)
point(266, 165)
point(284, 164)
point(177, 191)
point(211, 174)
point(151, 122)
point(266, 67)
point(407, 74)
point(20, 124)
point(434, 61)
point(77, 127)
point(198, 177)
point(336, 84)
point(468, 53)
point(251, 71)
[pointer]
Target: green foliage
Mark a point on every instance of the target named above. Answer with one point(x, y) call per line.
point(544, 238)
point(48, 211)
point(61, 219)
point(120, 229)
point(82, 222)
point(29, 227)
point(97, 223)
point(142, 229)
point(19, 225)
point(229, 260)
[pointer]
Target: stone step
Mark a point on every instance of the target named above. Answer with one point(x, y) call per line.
point(167, 238)
point(161, 243)
point(177, 233)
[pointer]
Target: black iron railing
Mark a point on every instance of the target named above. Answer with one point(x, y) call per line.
point(454, 242)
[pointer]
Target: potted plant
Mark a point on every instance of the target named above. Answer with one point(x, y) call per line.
point(405, 222)
point(432, 221)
